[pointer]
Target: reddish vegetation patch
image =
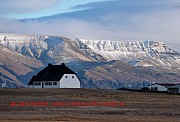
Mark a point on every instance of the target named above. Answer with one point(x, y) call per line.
point(87, 105)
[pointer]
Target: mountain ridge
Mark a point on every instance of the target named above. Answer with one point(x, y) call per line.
point(133, 51)
point(155, 58)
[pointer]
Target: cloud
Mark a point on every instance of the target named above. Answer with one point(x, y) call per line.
point(66, 27)
point(8, 7)
point(124, 4)
point(158, 25)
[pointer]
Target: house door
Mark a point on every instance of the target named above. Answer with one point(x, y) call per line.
point(42, 85)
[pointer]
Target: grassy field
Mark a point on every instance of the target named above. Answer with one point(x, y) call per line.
point(29, 105)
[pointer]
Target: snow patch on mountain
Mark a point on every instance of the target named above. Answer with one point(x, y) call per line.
point(44, 48)
point(139, 53)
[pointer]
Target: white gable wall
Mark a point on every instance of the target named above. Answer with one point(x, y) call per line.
point(69, 81)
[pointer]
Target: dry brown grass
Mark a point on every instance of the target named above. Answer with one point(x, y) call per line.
point(139, 107)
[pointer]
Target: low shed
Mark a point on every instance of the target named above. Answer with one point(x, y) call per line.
point(174, 89)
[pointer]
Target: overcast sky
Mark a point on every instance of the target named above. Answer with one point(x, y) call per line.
point(95, 19)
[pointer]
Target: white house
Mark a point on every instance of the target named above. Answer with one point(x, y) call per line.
point(161, 87)
point(3, 85)
point(55, 76)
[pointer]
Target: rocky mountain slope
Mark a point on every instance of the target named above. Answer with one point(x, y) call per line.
point(44, 48)
point(139, 53)
point(14, 65)
point(116, 74)
point(100, 64)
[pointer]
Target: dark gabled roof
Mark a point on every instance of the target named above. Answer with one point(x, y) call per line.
point(174, 86)
point(165, 84)
point(51, 73)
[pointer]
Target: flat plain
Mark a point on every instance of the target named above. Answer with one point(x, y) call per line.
point(43, 105)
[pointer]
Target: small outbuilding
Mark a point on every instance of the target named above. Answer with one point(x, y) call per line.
point(160, 87)
point(174, 89)
point(3, 85)
point(55, 76)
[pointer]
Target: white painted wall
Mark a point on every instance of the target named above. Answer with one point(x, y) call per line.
point(45, 86)
point(51, 86)
point(37, 86)
point(30, 86)
point(69, 81)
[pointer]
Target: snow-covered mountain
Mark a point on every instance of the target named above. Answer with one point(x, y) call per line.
point(44, 48)
point(138, 53)
point(87, 57)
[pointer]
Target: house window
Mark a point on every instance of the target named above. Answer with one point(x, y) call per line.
point(46, 83)
point(54, 83)
point(50, 83)
point(35, 84)
point(72, 76)
point(39, 84)
point(66, 76)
